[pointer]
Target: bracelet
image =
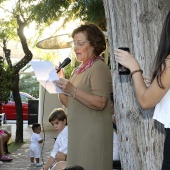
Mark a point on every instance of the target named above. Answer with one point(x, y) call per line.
point(74, 92)
point(140, 70)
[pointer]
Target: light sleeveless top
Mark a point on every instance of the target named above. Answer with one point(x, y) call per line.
point(162, 110)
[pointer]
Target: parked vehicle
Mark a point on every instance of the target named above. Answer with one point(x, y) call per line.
point(10, 110)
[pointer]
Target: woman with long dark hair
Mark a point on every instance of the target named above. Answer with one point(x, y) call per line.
point(158, 93)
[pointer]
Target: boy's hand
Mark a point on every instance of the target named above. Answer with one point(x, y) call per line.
point(61, 156)
point(41, 141)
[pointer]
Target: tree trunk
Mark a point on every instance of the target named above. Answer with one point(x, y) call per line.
point(17, 68)
point(19, 111)
point(137, 25)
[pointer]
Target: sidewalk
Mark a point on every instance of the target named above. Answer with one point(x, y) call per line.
point(21, 160)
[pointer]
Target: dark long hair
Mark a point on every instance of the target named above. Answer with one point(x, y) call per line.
point(163, 51)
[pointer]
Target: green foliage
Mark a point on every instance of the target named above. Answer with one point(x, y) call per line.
point(89, 10)
point(14, 146)
point(30, 85)
point(69, 69)
point(43, 13)
point(47, 11)
point(6, 84)
point(52, 56)
point(8, 29)
point(28, 82)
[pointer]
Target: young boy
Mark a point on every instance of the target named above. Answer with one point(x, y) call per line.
point(58, 119)
point(35, 147)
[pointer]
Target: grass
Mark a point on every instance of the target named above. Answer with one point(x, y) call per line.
point(14, 146)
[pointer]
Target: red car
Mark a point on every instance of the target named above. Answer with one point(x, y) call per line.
point(10, 110)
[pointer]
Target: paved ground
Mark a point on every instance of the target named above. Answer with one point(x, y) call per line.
point(20, 157)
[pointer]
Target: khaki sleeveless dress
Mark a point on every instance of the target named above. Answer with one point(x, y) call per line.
point(90, 132)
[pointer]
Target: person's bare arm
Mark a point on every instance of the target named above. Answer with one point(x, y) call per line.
point(90, 100)
point(150, 96)
point(61, 156)
point(63, 99)
point(146, 96)
point(49, 163)
point(59, 165)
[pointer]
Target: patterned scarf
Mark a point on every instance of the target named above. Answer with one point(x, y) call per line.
point(87, 64)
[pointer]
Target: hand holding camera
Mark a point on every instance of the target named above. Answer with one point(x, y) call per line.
point(127, 64)
point(123, 70)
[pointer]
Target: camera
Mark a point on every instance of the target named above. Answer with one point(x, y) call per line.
point(121, 69)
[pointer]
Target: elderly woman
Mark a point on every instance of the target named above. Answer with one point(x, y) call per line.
point(90, 132)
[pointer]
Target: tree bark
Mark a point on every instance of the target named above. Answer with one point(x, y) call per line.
point(19, 111)
point(136, 24)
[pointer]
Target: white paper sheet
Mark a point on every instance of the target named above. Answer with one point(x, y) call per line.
point(46, 74)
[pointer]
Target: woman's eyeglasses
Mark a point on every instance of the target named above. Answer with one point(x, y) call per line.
point(79, 43)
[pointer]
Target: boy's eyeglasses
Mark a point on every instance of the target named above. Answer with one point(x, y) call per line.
point(79, 43)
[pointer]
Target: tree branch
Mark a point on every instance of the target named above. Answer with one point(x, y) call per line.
point(28, 53)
